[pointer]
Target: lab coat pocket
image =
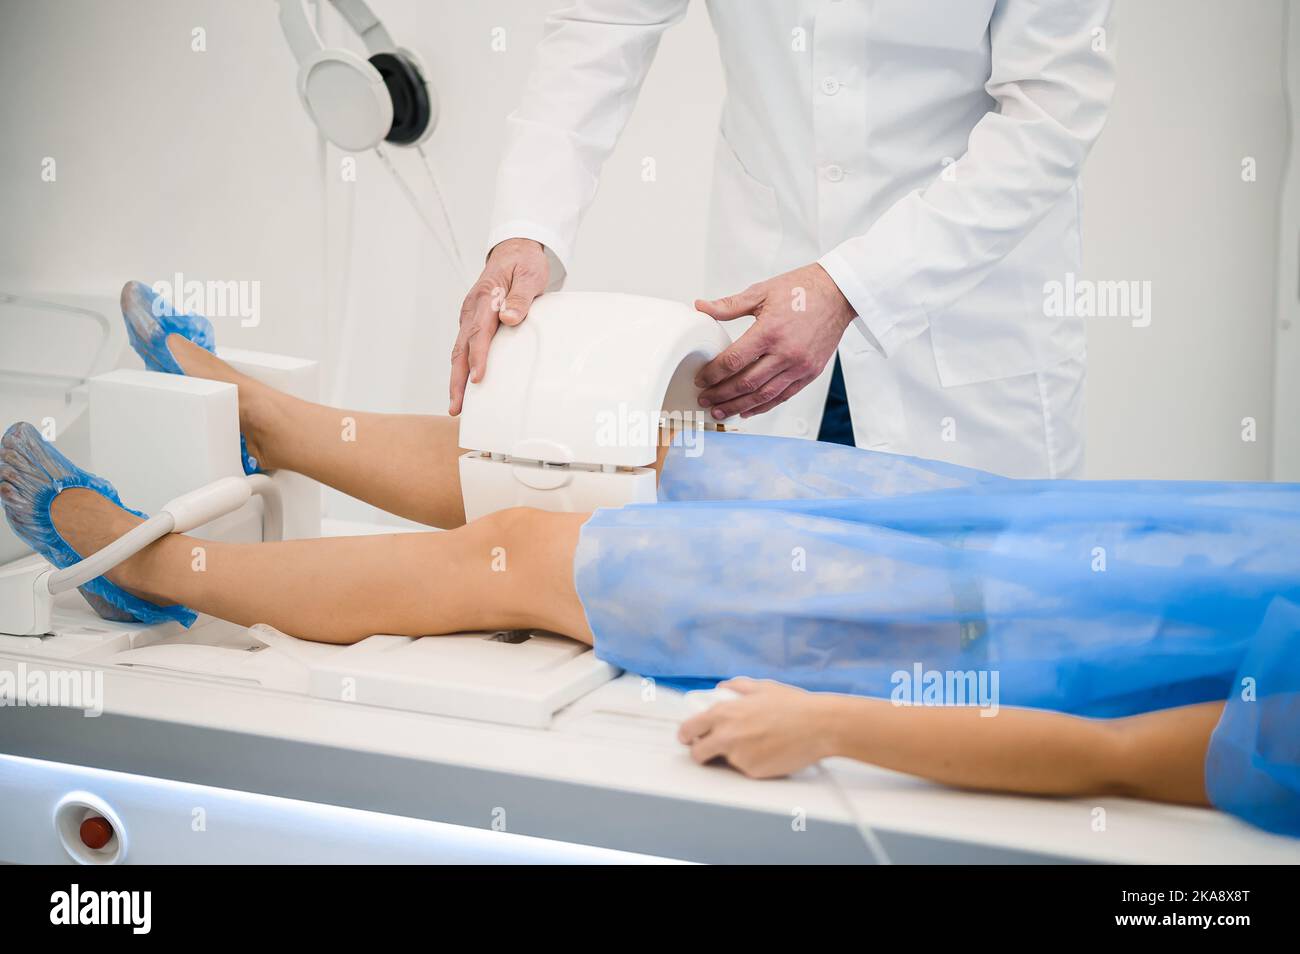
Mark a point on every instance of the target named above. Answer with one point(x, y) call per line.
point(1001, 328)
point(745, 231)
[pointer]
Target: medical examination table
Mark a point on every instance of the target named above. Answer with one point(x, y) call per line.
point(226, 744)
point(238, 753)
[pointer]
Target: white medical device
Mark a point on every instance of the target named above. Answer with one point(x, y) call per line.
point(200, 418)
point(567, 416)
point(407, 749)
point(567, 419)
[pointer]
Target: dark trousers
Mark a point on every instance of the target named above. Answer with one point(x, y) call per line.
point(837, 425)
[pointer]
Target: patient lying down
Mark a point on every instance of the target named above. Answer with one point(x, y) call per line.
point(709, 539)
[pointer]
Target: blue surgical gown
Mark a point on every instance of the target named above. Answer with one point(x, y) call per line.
point(838, 569)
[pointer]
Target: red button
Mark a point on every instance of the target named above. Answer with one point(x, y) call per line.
point(96, 832)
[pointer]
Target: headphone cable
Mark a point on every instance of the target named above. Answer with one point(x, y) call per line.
point(442, 206)
point(450, 248)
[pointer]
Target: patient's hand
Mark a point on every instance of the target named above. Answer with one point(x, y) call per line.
point(516, 272)
point(771, 730)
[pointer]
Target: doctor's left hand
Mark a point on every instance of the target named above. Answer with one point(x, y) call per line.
point(771, 730)
point(800, 318)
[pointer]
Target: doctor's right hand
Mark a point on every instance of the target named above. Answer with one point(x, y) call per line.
point(516, 272)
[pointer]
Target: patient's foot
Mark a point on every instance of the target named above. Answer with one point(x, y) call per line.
point(88, 523)
point(65, 513)
point(177, 343)
point(256, 400)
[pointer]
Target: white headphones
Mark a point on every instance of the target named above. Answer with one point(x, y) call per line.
point(358, 104)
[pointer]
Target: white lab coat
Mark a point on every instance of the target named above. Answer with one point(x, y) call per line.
point(925, 152)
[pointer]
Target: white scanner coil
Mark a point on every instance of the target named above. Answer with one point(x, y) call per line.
point(567, 415)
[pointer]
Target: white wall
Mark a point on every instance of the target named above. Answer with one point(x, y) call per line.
point(1286, 380)
point(203, 162)
point(1200, 89)
point(167, 160)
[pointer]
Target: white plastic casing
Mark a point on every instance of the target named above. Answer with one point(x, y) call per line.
point(300, 495)
point(489, 485)
point(207, 503)
point(25, 597)
point(158, 436)
point(581, 384)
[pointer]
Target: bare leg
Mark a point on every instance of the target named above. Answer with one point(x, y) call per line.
point(406, 464)
point(510, 570)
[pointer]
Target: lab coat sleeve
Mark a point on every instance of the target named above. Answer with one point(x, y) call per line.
point(1052, 77)
point(589, 68)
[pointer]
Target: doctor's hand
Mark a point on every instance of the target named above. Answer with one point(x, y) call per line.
point(771, 730)
point(516, 272)
point(801, 317)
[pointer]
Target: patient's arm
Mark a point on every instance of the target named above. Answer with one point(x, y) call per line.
point(774, 730)
point(1157, 755)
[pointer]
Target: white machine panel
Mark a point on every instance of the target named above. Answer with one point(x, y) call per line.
point(489, 677)
point(153, 822)
point(130, 409)
point(520, 678)
point(156, 436)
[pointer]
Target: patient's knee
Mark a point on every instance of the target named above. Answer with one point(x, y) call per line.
point(511, 520)
point(525, 527)
point(515, 524)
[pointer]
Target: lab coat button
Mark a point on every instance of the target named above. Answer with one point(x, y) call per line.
point(800, 426)
point(830, 86)
point(834, 173)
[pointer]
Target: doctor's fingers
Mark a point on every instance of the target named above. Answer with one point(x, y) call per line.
point(473, 313)
point(526, 283)
point(479, 335)
point(459, 374)
point(767, 394)
point(745, 381)
point(793, 389)
point(734, 306)
point(740, 354)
